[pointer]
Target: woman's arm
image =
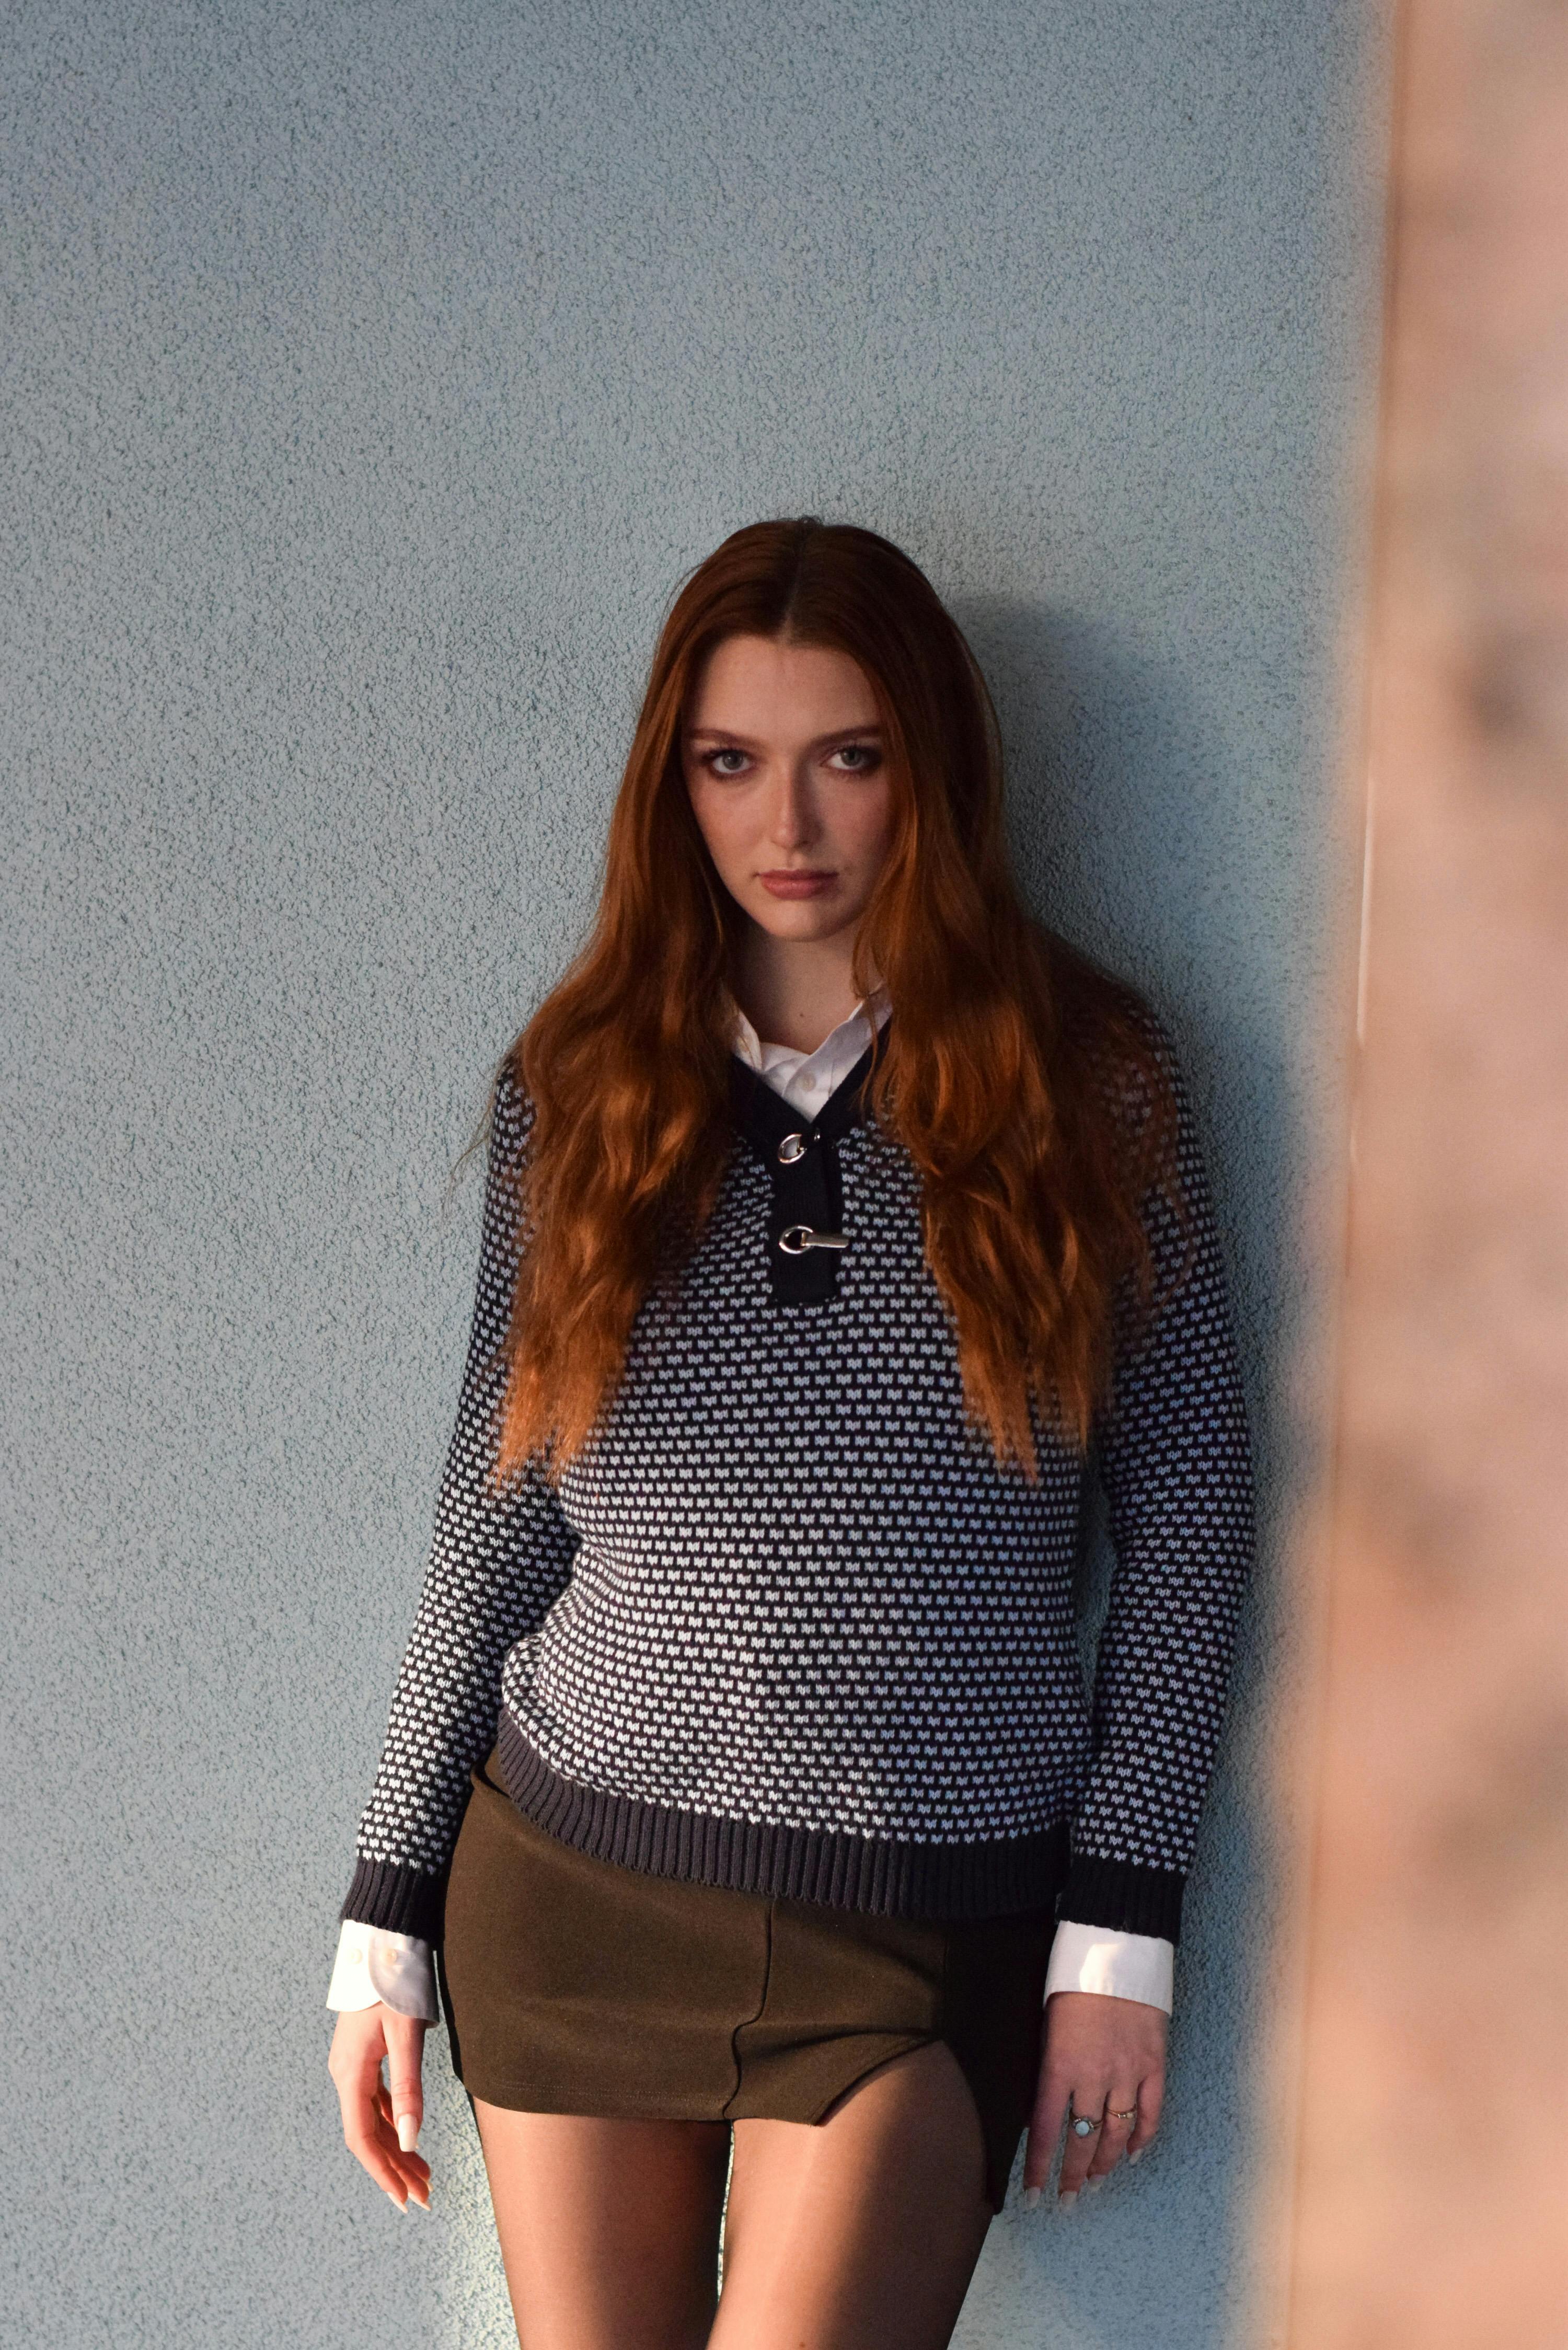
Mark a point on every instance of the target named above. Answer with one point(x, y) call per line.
point(497, 1561)
point(1176, 1463)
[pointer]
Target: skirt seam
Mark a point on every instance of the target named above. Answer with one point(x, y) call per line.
point(745, 2022)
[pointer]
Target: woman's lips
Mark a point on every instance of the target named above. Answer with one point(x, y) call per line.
point(784, 884)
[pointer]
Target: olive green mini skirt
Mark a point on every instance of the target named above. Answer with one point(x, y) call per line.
point(572, 1985)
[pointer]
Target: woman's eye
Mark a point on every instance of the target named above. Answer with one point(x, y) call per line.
point(717, 761)
point(862, 758)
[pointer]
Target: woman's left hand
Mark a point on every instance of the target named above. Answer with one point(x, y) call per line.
point(1103, 2055)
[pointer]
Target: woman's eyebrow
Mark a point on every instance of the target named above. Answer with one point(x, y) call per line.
point(731, 734)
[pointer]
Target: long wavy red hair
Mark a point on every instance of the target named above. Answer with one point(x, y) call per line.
point(1008, 1070)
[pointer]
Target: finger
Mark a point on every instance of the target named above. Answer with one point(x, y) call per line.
point(1150, 2100)
point(411, 2169)
point(1116, 2124)
point(405, 2057)
point(1088, 2103)
point(408, 2161)
point(409, 2166)
point(362, 2136)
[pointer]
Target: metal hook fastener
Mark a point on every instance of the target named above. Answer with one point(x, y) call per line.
point(792, 1147)
point(796, 1239)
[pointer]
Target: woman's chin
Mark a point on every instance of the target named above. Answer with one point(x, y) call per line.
point(801, 919)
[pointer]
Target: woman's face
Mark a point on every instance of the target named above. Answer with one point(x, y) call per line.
point(786, 763)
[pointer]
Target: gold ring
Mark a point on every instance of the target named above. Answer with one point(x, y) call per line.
point(1130, 2116)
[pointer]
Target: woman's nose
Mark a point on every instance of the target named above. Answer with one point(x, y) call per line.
point(794, 817)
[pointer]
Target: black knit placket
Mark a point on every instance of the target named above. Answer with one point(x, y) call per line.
point(805, 1236)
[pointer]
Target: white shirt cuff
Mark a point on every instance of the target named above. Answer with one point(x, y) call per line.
point(1126, 1966)
point(375, 1965)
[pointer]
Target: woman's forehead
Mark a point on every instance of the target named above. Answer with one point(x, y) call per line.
point(751, 684)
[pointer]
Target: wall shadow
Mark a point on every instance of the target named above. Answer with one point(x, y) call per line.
point(1147, 839)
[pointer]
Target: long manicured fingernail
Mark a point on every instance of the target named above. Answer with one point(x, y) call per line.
point(1065, 2203)
point(1137, 2157)
point(407, 2133)
point(1097, 2181)
point(1031, 2196)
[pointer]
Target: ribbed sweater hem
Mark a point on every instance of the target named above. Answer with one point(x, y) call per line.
point(892, 1876)
point(888, 1877)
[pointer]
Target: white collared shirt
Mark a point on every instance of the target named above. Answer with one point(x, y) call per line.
point(373, 1964)
point(806, 1079)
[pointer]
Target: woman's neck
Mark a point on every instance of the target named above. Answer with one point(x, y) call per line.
point(795, 992)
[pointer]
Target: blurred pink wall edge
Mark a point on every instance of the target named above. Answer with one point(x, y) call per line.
point(1417, 2077)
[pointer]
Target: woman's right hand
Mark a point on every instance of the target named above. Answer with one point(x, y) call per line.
point(381, 2118)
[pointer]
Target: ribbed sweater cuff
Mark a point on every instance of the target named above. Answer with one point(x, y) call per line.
point(401, 1901)
point(1123, 1897)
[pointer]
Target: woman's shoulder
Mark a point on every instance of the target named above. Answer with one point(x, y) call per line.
point(508, 1120)
point(1111, 1029)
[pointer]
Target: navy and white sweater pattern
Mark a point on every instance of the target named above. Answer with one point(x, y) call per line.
point(787, 1626)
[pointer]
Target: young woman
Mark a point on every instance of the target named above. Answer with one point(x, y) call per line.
point(741, 1788)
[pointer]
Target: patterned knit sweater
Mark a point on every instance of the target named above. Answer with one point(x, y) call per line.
point(787, 1626)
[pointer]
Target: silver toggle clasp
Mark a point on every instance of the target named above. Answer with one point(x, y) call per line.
point(796, 1239)
point(792, 1147)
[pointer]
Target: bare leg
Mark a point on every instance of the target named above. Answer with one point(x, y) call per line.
point(609, 2230)
point(863, 2230)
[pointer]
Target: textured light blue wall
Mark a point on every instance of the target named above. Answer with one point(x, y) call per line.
point(371, 373)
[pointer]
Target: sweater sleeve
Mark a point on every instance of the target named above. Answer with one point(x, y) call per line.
point(497, 1560)
point(1175, 1462)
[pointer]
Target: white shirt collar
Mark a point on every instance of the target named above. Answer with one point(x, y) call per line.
point(806, 1079)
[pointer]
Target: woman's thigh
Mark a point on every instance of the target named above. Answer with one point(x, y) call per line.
point(609, 2230)
point(861, 2231)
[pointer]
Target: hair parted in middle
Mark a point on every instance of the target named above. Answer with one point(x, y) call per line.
point(1007, 1067)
